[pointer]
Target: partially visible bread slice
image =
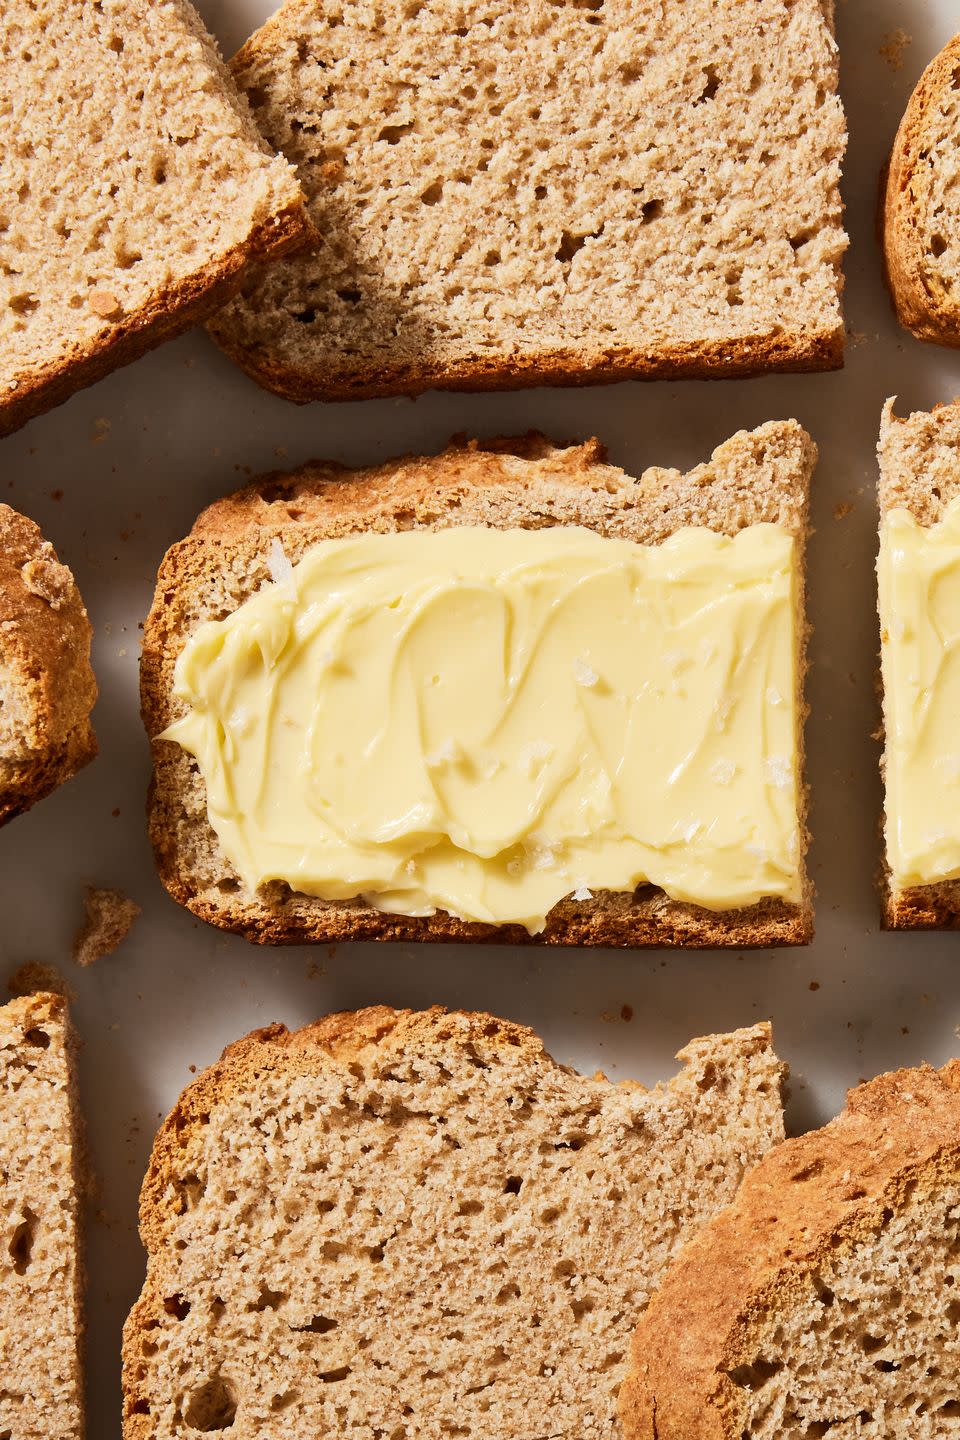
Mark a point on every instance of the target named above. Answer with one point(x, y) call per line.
point(919, 472)
point(921, 211)
point(547, 193)
point(41, 1321)
point(47, 689)
point(136, 190)
point(762, 475)
point(419, 1225)
point(821, 1302)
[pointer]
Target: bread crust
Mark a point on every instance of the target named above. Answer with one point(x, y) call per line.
point(755, 476)
point(808, 1200)
point(921, 307)
point(45, 650)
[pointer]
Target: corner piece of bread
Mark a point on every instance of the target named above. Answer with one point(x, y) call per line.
point(756, 476)
point(919, 218)
point(547, 194)
point(919, 472)
point(139, 190)
point(47, 689)
point(418, 1223)
point(818, 1304)
point(41, 1267)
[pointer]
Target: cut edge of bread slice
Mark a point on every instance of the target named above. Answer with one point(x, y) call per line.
point(47, 686)
point(923, 306)
point(44, 1374)
point(403, 1069)
point(756, 476)
point(919, 459)
point(708, 1341)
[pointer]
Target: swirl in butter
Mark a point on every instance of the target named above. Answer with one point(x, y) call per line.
point(484, 721)
point(918, 571)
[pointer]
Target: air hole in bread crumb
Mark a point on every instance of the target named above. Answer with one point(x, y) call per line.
point(823, 1292)
point(212, 1407)
point(306, 316)
point(269, 1299)
point(651, 210)
point(21, 1243)
point(470, 1207)
point(332, 1377)
point(393, 133)
point(492, 257)
point(949, 1407)
point(351, 297)
point(38, 1037)
point(711, 86)
point(23, 304)
point(937, 246)
point(755, 1375)
point(512, 1186)
point(871, 1343)
point(126, 258)
point(176, 1306)
point(115, 43)
point(319, 1325)
point(159, 173)
point(432, 193)
point(284, 1401)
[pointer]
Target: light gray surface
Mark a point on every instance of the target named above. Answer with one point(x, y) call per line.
point(137, 456)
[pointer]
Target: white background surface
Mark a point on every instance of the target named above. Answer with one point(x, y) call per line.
point(135, 459)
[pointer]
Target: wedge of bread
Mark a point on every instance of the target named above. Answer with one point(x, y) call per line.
point(136, 190)
point(756, 476)
point(919, 473)
point(547, 194)
point(919, 212)
point(420, 1224)
point(819, 1303)
point(47, 689)
point(41, 1320)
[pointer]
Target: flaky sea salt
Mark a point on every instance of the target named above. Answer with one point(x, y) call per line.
point(778, 771)
point(278, 563)
point(584, 673)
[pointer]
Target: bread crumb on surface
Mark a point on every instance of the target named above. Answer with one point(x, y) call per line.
point(33, 977)
point(109, 917)
point(842, 510)
point(894, 44)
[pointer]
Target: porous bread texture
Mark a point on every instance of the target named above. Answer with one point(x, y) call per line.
point(821, 1303)
point(47, 689)
point(109, 915)
point(136, 190)
point(919, 472)
point(41, 1321)
point(760, 475)
point(921, 205)
point(565, 191)
point(418, 1225)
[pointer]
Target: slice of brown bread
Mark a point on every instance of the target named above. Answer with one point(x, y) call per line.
point(419, 1225)
point(47, 689)
point(920, 217)
point(547, 193)
point(41, 1272)
point(919, 472)
point(761, 475)
point(136, 190)
point(820, 1302)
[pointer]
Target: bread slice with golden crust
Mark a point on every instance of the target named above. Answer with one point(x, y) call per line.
point(41, 1266)
point(820, 1302)
point(420, 1225)
point(47, 689)
point(756, 476)
point(920, 218)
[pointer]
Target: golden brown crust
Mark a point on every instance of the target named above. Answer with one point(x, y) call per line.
point(758, 476)
point(45, 658)
point(922, 306)
point(166, 314)
point(809, 1200)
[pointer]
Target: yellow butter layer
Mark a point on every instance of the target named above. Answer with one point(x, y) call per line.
point(918, 571)
point(484, 721)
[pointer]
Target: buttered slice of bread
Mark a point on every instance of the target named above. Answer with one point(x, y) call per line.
point(41, 1324)
point(755, 477)
point(921, 217)
point(547, 193)
point(820, 1302)
point(136, 190)
point(47, 689)
point(420, 1225)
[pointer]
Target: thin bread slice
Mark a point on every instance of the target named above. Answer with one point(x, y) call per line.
point(820, 1302)
point(920, 473)
point(419, 1225)
point(530, 483)
point(41, 1319)
point(136, 190)
point(547, 194)
point(920, 216)
point(47, 689)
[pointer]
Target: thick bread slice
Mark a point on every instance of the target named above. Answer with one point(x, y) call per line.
point(920, 211)
point(136, 190)
point(919, 472)
point(547, 193)
point(41, 1272)
point(47, 689)
point(820, 1303)
point(762, 475)
point(419, 1225)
